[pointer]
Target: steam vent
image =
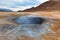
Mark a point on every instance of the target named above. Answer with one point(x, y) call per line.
point(29, 19)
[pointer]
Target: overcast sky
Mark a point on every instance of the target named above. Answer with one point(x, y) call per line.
point(16, 5)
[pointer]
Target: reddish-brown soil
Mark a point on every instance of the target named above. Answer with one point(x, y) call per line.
point(49, 9)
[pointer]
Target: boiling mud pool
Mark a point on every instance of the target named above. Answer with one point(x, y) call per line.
point(28, 28)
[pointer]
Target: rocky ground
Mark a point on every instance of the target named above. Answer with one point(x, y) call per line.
point(50, 10)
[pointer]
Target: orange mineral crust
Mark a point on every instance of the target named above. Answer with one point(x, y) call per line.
point(49, 10)
point(54, 34)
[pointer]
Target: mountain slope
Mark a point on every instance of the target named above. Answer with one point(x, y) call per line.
point(47, 6)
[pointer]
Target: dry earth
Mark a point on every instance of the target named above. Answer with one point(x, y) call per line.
point(53, 12)
point(52, 15)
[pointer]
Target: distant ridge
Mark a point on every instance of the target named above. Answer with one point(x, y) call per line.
point(5, 10)
point(41, 7)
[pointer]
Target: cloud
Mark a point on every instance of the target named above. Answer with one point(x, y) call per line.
point(20, 4)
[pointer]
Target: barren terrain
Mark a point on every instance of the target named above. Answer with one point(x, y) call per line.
point(52, 11)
